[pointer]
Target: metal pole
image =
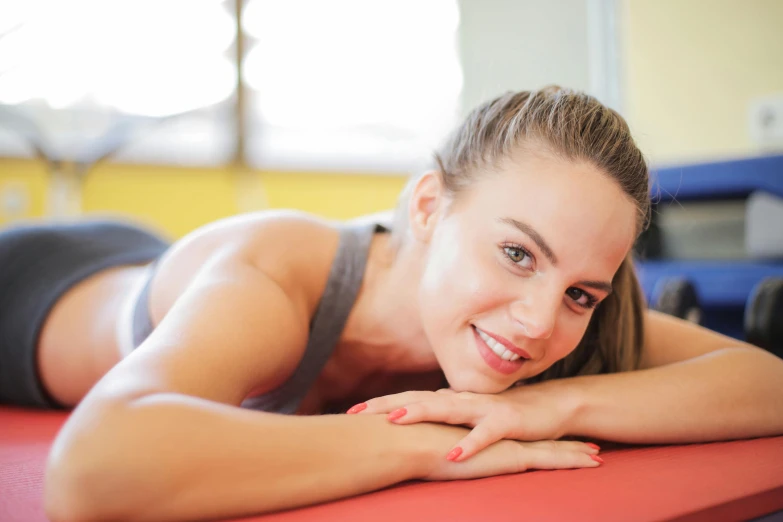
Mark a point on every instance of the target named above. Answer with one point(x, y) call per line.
point(239, 109)
point(251, 195)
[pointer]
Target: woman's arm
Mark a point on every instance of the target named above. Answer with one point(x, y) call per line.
point(160, 436)
point(174, 457)
point(696, 386)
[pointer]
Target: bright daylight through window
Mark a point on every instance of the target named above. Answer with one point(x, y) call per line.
point(342, 84)
point(77, 73)
point(350, 83)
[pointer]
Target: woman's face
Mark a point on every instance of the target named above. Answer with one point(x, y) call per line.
point(519, 260)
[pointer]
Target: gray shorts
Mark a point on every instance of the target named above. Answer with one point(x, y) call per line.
point(38, 264)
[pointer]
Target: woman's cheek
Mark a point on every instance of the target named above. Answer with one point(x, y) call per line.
point(569, 335)
point(452, 270)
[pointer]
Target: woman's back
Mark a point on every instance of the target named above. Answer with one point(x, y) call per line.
point(90, 327)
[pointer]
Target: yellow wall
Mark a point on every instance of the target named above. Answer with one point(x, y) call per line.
point(692, 67)
point(179, 199)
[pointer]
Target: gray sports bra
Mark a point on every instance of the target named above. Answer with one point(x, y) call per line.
point(342, 287)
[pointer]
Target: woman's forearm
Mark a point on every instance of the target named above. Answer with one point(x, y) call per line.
point(172, 457)
point(728, 394)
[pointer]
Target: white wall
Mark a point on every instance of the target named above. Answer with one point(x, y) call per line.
point(522, 44)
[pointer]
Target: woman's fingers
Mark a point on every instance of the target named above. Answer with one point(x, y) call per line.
point(389, 403)
point(508, 456)
point(484, 434)
point(487, 432)
point(556, 455)
point(438, 408)
point(585, 447)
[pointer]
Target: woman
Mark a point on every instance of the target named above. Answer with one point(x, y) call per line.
point(503, 300)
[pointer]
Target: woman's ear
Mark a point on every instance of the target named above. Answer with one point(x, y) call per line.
point(427, 202)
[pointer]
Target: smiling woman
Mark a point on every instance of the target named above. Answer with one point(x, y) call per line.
point(502, 298)
point(554, 185)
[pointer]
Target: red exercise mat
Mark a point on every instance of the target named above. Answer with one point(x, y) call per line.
point(736, 480)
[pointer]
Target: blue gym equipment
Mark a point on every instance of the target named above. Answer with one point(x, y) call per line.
point(714, 251)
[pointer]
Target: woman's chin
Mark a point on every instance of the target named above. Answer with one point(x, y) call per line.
point(475, 383)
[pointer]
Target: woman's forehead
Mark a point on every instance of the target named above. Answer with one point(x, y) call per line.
point(544, 178)
point(573, 205)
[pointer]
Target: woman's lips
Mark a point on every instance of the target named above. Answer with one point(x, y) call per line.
point(493, 360)
point(508, 345)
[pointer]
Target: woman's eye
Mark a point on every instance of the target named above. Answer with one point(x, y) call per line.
point(581, 297)
point(518, 256)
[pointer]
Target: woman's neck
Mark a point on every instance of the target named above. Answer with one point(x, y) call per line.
point(383, 333)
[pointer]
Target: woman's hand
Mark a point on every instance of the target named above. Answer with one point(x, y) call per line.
point(529, 413)
point(509, 456)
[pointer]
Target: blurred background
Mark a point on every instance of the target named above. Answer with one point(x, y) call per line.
point(180, 112)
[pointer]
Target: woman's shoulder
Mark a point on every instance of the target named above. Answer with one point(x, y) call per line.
point(246, 227)
point(293, 248)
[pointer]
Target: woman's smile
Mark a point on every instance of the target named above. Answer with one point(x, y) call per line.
point(496, 355)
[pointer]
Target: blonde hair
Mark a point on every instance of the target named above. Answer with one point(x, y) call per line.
point(577, 127)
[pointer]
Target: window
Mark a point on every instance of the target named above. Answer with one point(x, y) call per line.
point(342, 84)
point(82, 76)
point(350, 84)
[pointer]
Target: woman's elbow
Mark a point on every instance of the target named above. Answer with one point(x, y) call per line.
point(76, 491)
point(86, 477)
point(86, 486)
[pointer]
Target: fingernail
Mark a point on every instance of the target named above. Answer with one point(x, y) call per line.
point(594, 446)
point(454, 454)
point(597, 459)
point(396, 414)
point(359, 407)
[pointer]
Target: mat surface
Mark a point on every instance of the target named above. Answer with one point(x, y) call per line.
point(736, 480)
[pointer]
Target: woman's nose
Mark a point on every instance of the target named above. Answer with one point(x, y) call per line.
point(537, 314)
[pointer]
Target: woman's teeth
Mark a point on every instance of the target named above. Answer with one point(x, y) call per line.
point(498, 348)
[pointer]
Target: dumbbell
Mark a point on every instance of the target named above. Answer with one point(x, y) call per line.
point(678, 297)
point(764, 316)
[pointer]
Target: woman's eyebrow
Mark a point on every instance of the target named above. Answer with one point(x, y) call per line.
point(547, 250)
point(535, 236)
point(598, 285)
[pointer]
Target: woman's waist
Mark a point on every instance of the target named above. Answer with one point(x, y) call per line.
point(133, 303)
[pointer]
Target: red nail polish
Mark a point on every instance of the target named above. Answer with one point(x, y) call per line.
point(359, 407)
point(594, 446)
point(396, 414)
point(597, 459)
point(454, 454)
